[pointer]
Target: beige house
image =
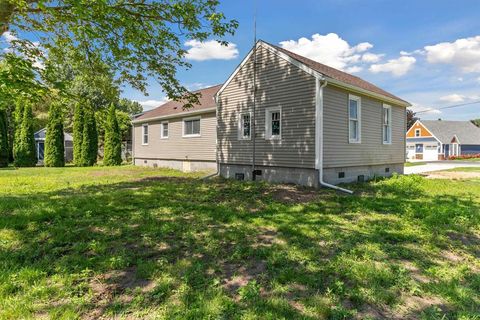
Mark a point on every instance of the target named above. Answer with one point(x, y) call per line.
point(169, 136)
point(315, 125)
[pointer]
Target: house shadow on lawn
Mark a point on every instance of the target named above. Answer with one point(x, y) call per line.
point(184, 248)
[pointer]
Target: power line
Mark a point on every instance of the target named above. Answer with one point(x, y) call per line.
point(448, 107)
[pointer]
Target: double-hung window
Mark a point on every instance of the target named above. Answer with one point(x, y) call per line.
point(145, 134)
point(387, 124)
point(273, 123)
point(164, 130)
point(191, 127)
point(245, 126)
point(354, 119)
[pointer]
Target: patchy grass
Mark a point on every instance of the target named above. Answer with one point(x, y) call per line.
point(413, 164)
point(142, 243)
point(465, 169)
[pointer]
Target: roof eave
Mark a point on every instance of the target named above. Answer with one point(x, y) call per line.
point(175, 115)
point(382, 97)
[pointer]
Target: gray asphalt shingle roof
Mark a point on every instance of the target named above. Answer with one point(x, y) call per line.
point(466, 132)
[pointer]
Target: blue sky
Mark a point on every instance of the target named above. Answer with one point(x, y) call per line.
point(425, 51)
point(392, 27)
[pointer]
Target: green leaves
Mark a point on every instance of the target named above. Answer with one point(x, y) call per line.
point(136, 38)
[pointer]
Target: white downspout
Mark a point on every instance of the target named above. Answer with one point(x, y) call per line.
point(319, 110)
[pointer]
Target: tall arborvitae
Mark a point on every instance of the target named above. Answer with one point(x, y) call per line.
point(78, 124)
point(26, 153)
point(4, 149)
point(17, 126)
point(54, 139)
point(90, 138)
point(113, 142)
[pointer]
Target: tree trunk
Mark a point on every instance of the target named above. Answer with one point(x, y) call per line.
point(6, 13)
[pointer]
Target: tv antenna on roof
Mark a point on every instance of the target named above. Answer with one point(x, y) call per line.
point(253, 120)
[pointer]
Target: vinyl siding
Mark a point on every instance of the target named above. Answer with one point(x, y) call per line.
point(177, 147)
point(280, 84)
point(338, 152)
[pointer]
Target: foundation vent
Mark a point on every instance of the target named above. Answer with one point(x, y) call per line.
point(239, 176)
point(387, 170)
point(341, 175)
point(361, 178)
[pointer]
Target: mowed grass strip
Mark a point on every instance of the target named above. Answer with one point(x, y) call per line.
point(131, 242)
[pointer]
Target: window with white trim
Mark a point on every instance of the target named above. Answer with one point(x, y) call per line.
point(387, 124)
point(145, 134)
point(354, 119)
point(417, 132)
point(164, 130)
point(191, 127)
point(273, 123)
point(244, 126)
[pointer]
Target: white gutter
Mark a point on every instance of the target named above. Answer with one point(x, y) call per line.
point(319, 133)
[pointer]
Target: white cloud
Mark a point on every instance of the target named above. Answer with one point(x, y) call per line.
point(416, 107)
point(332, 50)
point(398, 67)
point(453, 98)
point(210, 50)
point(462, 53)
point(197, 85)
point(372, 57)
point(150, 104)
point(9, 37)
point(354, 69)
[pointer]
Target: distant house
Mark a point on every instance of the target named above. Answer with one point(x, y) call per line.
point(40, 145)
point(440, 139)
point(169, 136)
point(314, 125)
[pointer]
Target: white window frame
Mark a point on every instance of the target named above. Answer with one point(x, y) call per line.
point(162, 136)
point(419, 133)
point(388, 126)
point(240, 126)
point(358, 119)
point(268, 123)
point(145, 125)
point(195, 134)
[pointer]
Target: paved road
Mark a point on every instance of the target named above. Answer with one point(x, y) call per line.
point(440, 165)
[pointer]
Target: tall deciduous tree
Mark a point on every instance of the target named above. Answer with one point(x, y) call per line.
point(4, 150)
point(55, 139)
point(26, 154)
point(78, 124)
point(90, 138)
point(137, 38)
point(113, 143)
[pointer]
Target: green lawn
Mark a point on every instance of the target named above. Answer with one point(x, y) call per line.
point(130, 243)
point(465, 169)
point(413, 164)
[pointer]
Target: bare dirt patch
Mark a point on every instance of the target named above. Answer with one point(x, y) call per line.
point(236, 276)
point(112, 285)
point(452, 175)
point(292, 194)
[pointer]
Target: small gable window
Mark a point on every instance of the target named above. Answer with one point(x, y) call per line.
point(417, 132)
point(387, 124)
point(273, 125)
point(145, 134)
point(244, 126)
point(354, 119)
point(164, 132)
point(191, 127)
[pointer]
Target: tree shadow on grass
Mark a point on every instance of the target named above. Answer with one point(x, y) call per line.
point(186, 248)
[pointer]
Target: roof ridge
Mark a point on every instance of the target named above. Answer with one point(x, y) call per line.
point(296, 56)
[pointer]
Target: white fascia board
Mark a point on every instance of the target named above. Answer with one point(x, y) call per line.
point(176, 115)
